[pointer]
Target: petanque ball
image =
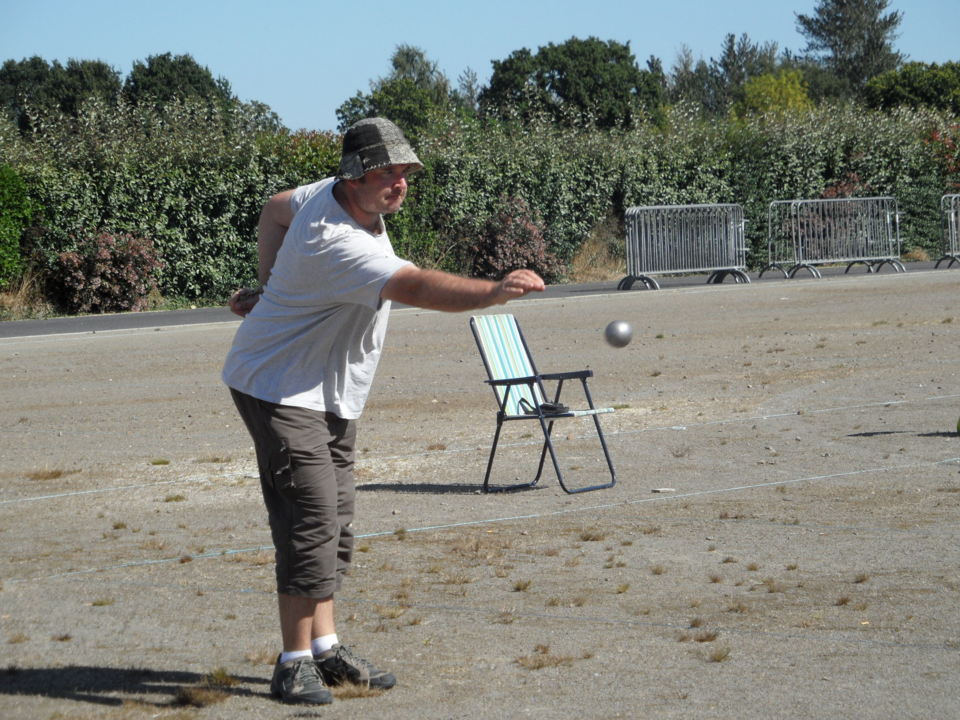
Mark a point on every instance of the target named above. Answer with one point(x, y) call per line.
point(618, 333)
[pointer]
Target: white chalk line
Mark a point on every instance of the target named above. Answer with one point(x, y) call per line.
point(485, 448)
point(516, 518)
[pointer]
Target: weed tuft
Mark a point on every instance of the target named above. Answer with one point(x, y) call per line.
point(543, 658)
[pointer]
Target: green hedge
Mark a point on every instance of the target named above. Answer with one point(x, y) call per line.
point(191, 179)
point(16, 212)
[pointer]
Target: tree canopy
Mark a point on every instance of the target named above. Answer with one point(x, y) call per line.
point(413, 91)
point(576, 80)
point(853, 39)
point(915, 85)
point(34, 85)
point(166, 77)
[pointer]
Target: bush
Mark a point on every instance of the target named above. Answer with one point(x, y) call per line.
point(189, 177)
point(106, 273)
point(512, 239)
point(16, 212)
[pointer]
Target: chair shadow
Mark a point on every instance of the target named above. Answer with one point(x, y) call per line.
point(431, 488)
point(876, 433)
point(112, 686)
point(436, 488)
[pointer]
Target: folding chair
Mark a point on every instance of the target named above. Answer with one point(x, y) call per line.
point(521, 395)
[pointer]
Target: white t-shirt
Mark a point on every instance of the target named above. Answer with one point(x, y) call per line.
point(314, 338)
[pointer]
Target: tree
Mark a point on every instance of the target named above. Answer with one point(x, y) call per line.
point(781, 92)
point(579, 79)
point(167, 77)
point(34, 86)
point(693, 82)
point(852, 39)
point(917, 84)
point(414, 90)
point(740, 61)
point(719, 84)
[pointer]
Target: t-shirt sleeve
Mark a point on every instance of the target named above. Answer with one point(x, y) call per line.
point(359, 268)
point(304, 193)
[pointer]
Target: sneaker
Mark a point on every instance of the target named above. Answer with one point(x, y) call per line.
point(298, 682)
point(339, 665)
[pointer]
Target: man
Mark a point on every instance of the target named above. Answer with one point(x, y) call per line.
point(300, 370)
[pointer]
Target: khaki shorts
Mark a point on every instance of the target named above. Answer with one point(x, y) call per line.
point(306, 474)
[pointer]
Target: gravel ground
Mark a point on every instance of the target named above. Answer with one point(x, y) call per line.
point(799, 560)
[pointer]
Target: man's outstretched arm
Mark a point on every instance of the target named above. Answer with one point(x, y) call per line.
point(436, 290)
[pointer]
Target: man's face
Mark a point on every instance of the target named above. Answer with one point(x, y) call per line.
point(382, 191)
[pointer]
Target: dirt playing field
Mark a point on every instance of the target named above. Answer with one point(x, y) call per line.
point(783, 540)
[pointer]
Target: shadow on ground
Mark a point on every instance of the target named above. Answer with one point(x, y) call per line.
point(112, 686)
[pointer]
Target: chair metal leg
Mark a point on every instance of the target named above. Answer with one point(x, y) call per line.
point(493, 451)
point(548, 447)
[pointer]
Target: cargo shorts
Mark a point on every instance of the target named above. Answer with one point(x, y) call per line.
point(306, 461)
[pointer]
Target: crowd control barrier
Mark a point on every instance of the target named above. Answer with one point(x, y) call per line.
point(950, 210)
point(802, 234)
point(677, 239)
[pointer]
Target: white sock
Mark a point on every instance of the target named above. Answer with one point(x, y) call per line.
point(294, 654)
point(323, 643)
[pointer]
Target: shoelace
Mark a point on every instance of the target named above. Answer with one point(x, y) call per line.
point(346, 655)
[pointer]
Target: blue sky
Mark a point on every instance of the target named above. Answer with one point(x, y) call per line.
point(304, 58)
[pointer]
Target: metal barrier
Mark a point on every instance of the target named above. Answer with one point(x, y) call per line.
point(802, 234)
point(950, 210)
point(674, 239)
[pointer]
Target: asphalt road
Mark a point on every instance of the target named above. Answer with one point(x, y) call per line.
point(129, 321)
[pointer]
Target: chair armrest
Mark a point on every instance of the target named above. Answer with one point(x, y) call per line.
point(575, 374)
point(513, 381)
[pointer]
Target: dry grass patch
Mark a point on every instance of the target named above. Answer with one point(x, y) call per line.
point(390, 612)
point(50, 474)
point(773, 586)
point(209, 691)
point(261, 656)
point(591, 535)
point(23, 299)
point(600, 256)
point(543, 658)
point(349, 691)
point(456, 580)
point(718, 654)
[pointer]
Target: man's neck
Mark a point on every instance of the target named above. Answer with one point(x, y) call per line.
point(368, 221)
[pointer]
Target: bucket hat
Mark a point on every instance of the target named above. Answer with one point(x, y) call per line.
point(374, 143)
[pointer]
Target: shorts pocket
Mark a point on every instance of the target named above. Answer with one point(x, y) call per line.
point(281, 468)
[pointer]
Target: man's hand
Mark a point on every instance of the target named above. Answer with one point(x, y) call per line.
point(243, 300)
point(519, 283)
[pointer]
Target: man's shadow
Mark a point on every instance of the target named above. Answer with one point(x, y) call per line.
point(114, 686)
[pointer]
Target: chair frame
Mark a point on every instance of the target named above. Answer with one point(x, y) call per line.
point(535, 385)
